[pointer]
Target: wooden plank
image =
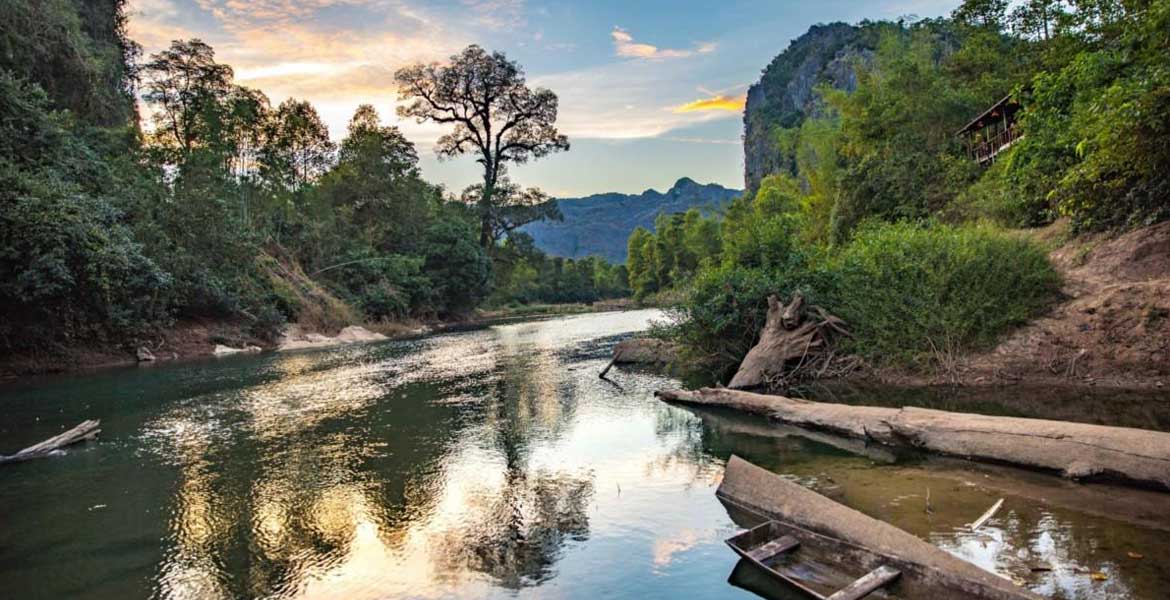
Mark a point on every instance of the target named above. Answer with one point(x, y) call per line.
point(868, 583)
point(773, 548)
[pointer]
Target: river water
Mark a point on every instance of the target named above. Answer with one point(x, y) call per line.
point(486, 463)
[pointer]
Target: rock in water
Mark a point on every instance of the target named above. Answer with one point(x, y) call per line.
point(144, 354)
point(294, 339)
point(644, 351)
point(221, 350)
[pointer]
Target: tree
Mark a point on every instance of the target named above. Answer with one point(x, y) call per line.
point(377, 150)
point(1036, 18)
point(297, 148)
point(187, 88)
point(511, 208)
point(246, 113)
point(494, 113)
point(377, 183)
point(981, 13)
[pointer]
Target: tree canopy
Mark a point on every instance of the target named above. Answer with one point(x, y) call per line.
point(493, 113)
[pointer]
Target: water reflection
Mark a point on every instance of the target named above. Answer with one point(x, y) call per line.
point(487, 463)
point(385, 475)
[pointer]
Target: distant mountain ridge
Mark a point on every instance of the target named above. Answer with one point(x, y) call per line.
point(600, 225)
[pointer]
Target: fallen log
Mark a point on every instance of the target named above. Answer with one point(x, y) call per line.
point(735, 423)
point(87, 430)
point(752, 493)
point(1078, 451)
point(616, 356)
point(1144, 508)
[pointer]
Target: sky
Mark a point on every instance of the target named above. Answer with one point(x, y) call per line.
point(650, 91)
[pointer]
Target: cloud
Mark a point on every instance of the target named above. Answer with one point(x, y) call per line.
point(625, 46)
point(702, 140)
point(717, 102)
point(623, 99)
point(334, 53)
point(497, 14)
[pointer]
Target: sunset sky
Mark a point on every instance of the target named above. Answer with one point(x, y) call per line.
point(650, 91)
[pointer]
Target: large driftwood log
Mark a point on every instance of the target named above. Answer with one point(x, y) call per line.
point(1076, 450)
point(87, 430)
point(748, 487)
point(789, 342)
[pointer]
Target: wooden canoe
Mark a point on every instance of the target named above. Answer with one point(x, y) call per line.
point(836, 546)
point(788, 554)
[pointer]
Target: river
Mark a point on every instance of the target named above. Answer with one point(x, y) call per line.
point(477, 464)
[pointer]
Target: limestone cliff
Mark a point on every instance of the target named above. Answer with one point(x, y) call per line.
point(785, 94)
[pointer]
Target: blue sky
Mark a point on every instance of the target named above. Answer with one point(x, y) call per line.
point(649, 91)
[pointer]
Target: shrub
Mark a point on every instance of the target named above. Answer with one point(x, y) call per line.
point(69, 269)
point(914, 294)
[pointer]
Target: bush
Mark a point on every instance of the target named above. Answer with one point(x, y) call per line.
point(69, 269)
point(726, 305)
point(914, 294)
point(911, 294)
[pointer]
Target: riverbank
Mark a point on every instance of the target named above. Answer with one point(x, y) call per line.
point(193, 339)
point(1111, 327)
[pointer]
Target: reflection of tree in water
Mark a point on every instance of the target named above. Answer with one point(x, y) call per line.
point(519, 533)
point(518, 529)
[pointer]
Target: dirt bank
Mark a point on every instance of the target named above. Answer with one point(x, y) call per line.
point(1112, 327)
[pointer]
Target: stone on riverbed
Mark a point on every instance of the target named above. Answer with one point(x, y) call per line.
point(221, 350)
point(294, 339)
point(645, 351)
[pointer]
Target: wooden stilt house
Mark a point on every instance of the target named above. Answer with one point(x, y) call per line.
point(992, 132)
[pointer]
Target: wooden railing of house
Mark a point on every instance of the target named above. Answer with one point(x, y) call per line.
point(987, 150)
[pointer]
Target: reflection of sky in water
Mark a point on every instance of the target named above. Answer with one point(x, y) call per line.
point(488, 463)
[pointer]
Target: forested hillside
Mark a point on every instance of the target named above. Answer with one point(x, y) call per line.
point(863, 197)
point(599, 225)
point(227, 205)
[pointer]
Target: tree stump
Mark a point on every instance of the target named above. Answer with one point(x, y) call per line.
point(790, 345)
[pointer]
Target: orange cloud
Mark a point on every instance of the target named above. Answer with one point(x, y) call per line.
point(718, 102)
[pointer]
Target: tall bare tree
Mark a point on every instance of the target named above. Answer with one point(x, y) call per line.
point(495, 115)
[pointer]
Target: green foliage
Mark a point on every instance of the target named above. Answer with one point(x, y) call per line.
point(911, 292)
point(1115, 101)
point(865, 179)
point(726, 305)
point(459, 269)
point(69, 268)
point(75, 50)
point(525, 275)
point(231, 210)
point(761, 231)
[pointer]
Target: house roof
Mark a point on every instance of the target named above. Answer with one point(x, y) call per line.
point(1006, 104)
